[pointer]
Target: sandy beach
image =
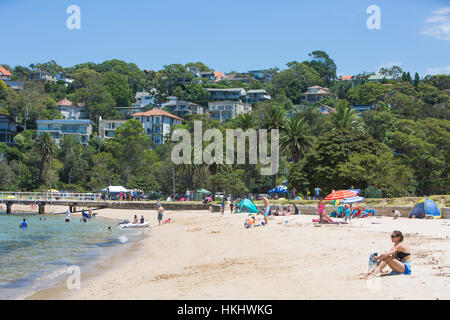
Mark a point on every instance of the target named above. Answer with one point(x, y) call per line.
point(211, 256)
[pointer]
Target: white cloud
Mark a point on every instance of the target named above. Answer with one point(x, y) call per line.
point(388, 65)
point(438, 25)
point(438, 70)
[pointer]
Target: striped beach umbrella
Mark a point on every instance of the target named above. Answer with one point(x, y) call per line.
point(341, 194)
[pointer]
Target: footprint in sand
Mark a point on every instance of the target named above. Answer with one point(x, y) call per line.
point(194, 230)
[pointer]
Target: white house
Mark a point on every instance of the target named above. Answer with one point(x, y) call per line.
point(108, 127)
point(157, 123)
point(224, 110)
point(70, 111)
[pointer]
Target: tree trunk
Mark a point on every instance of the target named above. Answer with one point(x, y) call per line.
point(41, 168)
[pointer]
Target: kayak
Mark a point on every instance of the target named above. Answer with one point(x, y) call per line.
point(133, 225)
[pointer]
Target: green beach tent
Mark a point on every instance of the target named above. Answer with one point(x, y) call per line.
point(247, 205)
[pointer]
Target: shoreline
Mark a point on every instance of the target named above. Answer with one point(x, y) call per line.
point(211, 256)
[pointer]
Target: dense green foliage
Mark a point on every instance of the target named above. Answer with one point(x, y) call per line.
point(401, 146)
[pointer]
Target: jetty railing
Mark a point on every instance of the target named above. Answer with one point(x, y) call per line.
point(49, 196)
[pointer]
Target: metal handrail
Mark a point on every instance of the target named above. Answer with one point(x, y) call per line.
point(49, 196)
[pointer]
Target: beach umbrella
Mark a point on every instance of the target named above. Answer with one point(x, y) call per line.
point(203, 191)
point(341, 194)
point(53, 190)
point(279, 189)
point(353, 199)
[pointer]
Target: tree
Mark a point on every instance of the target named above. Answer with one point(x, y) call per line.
point(75, 160)
point(332, 148)
point(295, 80)
point(46, 148)
point(117, 85)
point(230, 182)
point(394, 71)
point(324, 65)
point(295, 137)
point(416, 80)
point(378, 169)
point(346, 118)
point(129, 147)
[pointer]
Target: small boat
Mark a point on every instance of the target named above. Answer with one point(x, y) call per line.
point(134, 225)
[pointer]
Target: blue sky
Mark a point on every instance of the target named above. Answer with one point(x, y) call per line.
point(229, 35)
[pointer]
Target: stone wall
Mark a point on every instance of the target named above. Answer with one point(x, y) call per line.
point(379, 210)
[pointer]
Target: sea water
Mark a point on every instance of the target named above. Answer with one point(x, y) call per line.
point(35, 258)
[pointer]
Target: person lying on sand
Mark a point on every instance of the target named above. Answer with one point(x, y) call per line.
point(398, 258)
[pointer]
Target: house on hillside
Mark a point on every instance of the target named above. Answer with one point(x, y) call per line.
point(70, 111)
point(43, 76)
point(316, 93)
point(6, 76)
point(157, 123)
point(8, 129)
point(107, 127)
point(82, 129)
point(181, 108)
point(325, 110)
point(225, 110)
point(234, 94)
point(259, 95)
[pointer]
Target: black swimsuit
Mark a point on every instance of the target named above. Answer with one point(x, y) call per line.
point(402, 255)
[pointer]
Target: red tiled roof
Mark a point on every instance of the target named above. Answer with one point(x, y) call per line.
point(346, 77)
point(219, 76)
point(65, 102)
point(156, 112)
point(5, 72)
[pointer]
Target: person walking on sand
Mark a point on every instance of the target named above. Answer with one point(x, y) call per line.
point(266, 209)
point(231, 206)
point(321, 209)
point(223, 207)
point(160, 214)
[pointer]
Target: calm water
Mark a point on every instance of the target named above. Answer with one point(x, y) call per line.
point(36, 258)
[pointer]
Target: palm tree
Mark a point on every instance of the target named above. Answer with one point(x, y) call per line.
point(274, 118)
point(346, 118)
point(246, 121)
point(295, 137)
point(46, 147)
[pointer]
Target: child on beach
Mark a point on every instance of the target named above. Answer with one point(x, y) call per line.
point(160, 214)
point(210, 209)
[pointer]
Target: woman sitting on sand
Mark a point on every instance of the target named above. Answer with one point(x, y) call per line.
point(398, 258)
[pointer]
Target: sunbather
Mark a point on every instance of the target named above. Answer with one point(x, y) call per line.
point(398, 258)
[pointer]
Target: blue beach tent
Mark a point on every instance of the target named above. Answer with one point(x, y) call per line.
point(426, 208)
point(279, 189)
point(247, 205)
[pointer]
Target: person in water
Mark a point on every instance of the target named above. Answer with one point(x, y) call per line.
point(398, 258)
point(24, 224)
